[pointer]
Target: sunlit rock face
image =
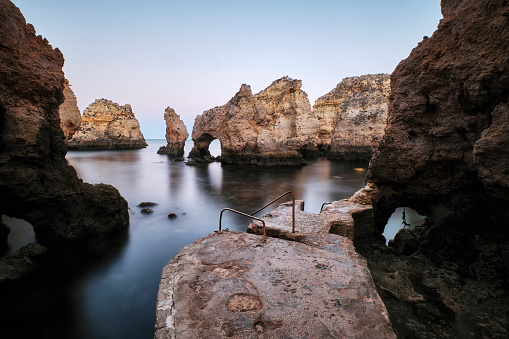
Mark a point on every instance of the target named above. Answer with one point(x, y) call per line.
point(36, 183)
point(107, 125)
point(446, 145)
point(176, 134)
point(70, 116)
point(262, 129)
point(353, 116)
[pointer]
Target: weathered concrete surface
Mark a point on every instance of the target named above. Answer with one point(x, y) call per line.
point(234, 285)
point(343, 217)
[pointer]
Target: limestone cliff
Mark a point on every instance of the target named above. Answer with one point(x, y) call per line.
point(176, 134)
point(70, 116)
point(445, 150)
point(261, 129)
point(107, 125)
point(36, 183)
point(353, 116)
point(277, 125)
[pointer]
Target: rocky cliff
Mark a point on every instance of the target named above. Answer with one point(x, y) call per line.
point(107, 125)
point(353, 116)
point(277, 125)
point(36, 183)
point(445, 154)
point(261, 129)
point(70, 116)
point(176, 134)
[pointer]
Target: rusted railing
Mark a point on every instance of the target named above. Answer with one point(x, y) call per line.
point(325, 203)
point(293, 207)
point(244, 214)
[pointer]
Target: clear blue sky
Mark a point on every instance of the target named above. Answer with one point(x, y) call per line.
point(193, 55)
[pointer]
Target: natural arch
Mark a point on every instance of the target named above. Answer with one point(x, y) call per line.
point(200, 149)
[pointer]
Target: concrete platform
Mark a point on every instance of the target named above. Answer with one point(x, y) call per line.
point(341, 217)
point(233, 284)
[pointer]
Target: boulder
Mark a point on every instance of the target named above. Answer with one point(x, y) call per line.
point(107, 125)
point(36, 183)
point(233, 284)
point(176, 134)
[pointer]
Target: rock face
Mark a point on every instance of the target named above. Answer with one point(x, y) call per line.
point(261, 129)
point(232, 284)
point(445, 150)
point(107, 125)
point(353, 116)
point(36, 183)
point(277, 125)
point(176, 134)
point(70, 116)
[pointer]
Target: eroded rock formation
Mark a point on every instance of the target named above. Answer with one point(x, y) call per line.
point(176, 134)
point(36, 183)
point(107, 125)
point(70, 116)
point(277, 125)
point(445, 154)
point(353, 116)
point(261, 129)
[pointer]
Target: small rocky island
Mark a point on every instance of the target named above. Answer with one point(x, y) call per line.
point(176, 134)
point(278, 127)
point(107, 125)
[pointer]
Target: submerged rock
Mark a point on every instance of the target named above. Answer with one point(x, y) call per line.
point(70, 116)
point(107, 125)
point(36, 183)
point(176, 134)
point(232, 284)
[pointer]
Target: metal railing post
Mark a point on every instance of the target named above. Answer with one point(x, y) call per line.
point(244, 214)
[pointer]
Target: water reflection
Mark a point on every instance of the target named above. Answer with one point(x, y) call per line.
point(116, 298)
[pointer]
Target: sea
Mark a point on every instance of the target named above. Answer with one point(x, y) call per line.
point(115, 296)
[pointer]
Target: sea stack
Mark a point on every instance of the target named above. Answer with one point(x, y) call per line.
point(70, 116)
point(107, 125)
point(353, 116)
point(36, 183)
point(176, 134)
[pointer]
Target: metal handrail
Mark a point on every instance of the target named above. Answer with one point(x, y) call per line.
point(325, 203)
point(293, 207)
point(244, 214)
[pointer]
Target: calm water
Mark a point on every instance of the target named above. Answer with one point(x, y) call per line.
point(115, 296)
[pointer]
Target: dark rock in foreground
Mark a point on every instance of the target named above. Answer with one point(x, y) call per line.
point(232, 284)
point(36, 183)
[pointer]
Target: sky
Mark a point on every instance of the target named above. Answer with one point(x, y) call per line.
point(193, 55)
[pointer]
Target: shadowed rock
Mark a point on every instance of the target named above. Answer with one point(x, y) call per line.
point(36, 183)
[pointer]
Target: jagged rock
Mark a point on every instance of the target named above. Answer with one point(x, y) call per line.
point(232, 284)
point(107, 125)
point(22, 262)
point(445, 149)
point(36, 183)
point(70, 116)
point(353, 116)
point(277, 125)
point(176, 134)
point(260, 129)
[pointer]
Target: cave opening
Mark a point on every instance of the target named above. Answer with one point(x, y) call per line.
point(21, 234)
point(402, 218)
point(215, 148)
